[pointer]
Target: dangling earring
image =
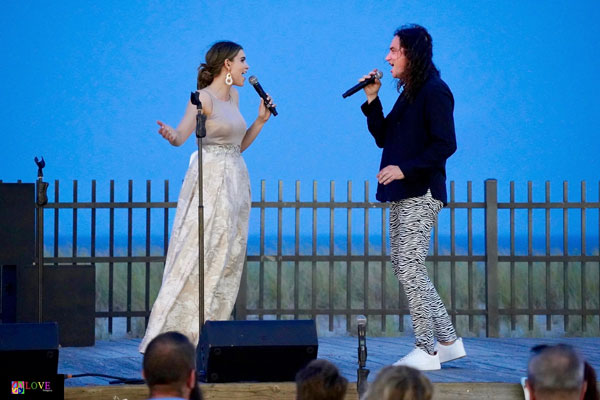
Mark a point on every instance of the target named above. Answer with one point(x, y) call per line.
point(228, 79)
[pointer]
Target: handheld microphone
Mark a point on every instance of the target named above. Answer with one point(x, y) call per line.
point(254, 82)
point(361, 321)
point(362, 84)
point(362, 373)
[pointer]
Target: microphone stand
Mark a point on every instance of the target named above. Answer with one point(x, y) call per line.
point(200, 133)
point(40, 201)
point(362, 373)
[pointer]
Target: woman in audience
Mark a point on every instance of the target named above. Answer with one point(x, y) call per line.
point(399, 383)
point(320, 380)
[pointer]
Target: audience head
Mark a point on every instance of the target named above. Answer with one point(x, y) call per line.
point(320, 380)
point(399, 383)
point(555, 372)
point(169, 366)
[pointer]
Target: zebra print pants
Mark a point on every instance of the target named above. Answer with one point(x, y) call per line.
point(411, 221)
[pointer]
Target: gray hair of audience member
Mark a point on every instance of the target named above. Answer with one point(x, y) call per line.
point(320, 380)
point(399, 383)
point(168, 361)
point(556, 368)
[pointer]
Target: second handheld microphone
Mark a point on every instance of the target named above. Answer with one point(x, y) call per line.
point(254, 82)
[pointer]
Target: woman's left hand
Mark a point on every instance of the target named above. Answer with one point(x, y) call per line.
point(389, 174)
point(263, 112)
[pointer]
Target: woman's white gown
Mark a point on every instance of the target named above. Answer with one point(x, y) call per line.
point(226, 211)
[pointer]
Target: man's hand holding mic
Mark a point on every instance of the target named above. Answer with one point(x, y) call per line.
point(372, 89)
point(371, 80)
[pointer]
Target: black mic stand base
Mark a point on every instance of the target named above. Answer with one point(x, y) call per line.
point(361, 381)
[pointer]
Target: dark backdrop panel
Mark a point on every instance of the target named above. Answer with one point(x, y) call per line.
point(69, 299)
point(17, 238)
point(17, 223)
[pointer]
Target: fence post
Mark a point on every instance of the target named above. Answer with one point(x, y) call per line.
point(491, 256)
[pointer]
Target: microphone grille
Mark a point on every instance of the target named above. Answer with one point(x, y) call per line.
point(361, 320)
point(379, 74)
point(253, 80)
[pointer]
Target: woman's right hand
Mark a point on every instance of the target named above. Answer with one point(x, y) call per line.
point(372, 89)
point(167, 132)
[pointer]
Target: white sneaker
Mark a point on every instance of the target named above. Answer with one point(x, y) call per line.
point(451, 352)
point(419, 359)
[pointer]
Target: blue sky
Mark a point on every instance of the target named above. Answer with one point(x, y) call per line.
point(84, 82)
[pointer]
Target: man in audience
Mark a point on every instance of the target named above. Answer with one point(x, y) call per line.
point(556, 373)
point(169, 368)
point(320, 380)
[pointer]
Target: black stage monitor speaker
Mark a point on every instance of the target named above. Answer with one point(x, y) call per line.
point(29, 362)
point(29, 349)
point(263, 351)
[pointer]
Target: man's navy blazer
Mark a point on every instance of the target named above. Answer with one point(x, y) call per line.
point(418, 137)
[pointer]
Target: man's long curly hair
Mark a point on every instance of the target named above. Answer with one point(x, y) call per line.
point(418, 49)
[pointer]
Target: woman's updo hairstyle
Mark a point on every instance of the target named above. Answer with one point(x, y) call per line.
point(215, 57)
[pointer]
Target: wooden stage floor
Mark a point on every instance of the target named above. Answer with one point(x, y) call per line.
point(489, 360)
